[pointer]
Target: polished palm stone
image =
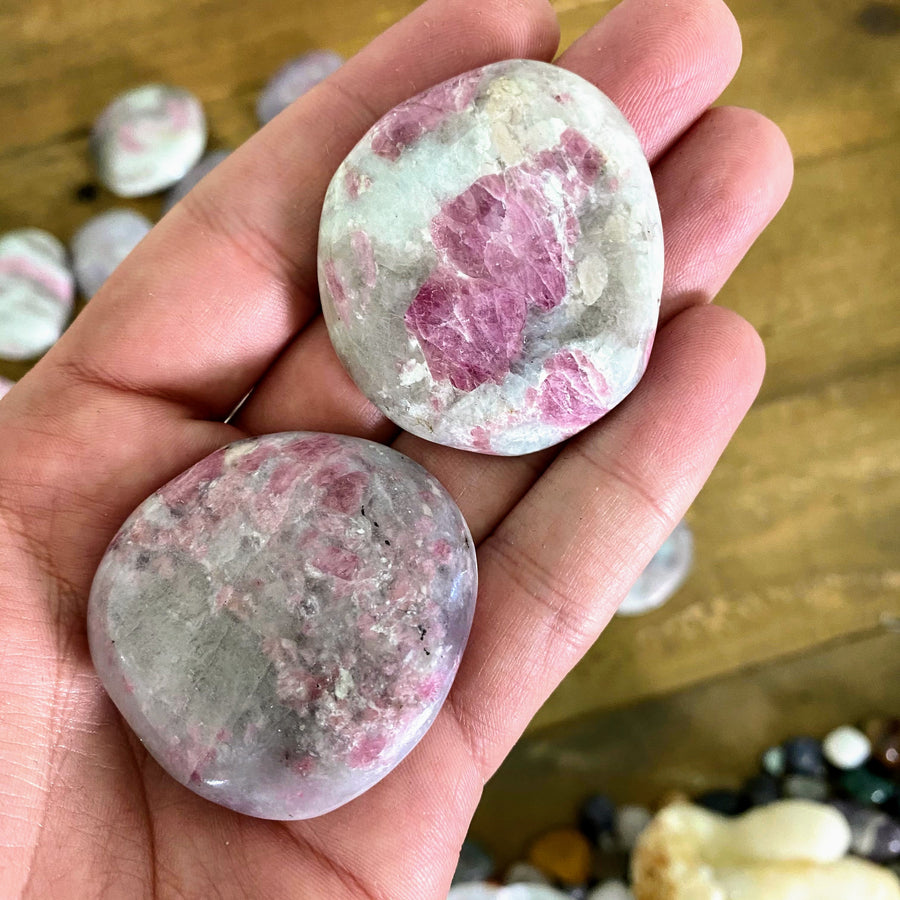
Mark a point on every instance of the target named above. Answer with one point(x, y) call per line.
point(102, 243)
point(37, 291)
point(293, 80)
point(280, 624)
point(490, 259)
point(147, 139)
point(663, 575)
point(193, 178)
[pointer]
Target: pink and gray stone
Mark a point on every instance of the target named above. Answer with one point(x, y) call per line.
point(294, 79)
point(664, 574)
point(37, 292)
point(193, 178)
point(490, 259)
point(147, 139)
point(281, 623)
point(102, 243)
point(5, 386)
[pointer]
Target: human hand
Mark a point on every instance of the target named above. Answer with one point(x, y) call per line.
point(221, 297)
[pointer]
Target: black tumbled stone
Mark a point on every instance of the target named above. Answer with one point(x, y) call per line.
point(803, 756)
point(724, 801)
point(596, 817)
point(762, 789)
point(475, 863)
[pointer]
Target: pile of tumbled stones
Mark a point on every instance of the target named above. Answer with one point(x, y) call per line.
point(853, 771)
point(148, 140)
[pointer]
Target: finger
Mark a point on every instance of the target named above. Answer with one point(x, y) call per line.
point(662, 62)
point(555, 569)
point(207, 300)
point(228, 277)
point(718, 188)
point(688, 53)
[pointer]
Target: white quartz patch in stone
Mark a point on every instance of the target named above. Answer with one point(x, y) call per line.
point(147, 139)
point(37, 291)
point(102, 243)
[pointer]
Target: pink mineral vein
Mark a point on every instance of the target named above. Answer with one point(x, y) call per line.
point(572, 394)
point(405, 124)
point(504, 246)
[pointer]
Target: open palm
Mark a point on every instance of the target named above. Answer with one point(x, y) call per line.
point(221, 298)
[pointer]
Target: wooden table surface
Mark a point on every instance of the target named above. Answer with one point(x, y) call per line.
point(798, 531)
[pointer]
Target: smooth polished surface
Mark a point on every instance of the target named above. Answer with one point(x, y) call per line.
point(491, 259)
point(281, 623)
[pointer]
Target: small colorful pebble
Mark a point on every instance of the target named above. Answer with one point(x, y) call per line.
point(663, 576)
point(846, 747)
point(762, 789)
point(522, 872)
point(630, 824)
point(805, 787)
point(524, 891)
point(474, 891)
point(597, 817)
point(867, 787)
point(102, 243)
point(147, 139)
point(724, 801)
point(885, 737)
point(773, 762)
point(611, 890)
point(874, 835)
point(293, 80)
point(193, 178)
point(475, 863)
point(803, 756)
point(563, 855)
point(36, 292)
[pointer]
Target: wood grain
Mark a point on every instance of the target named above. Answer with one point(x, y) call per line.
point(798, 529)
point(702, 738)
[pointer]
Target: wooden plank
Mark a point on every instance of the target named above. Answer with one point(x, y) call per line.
point(709, 736)
point(796, 543)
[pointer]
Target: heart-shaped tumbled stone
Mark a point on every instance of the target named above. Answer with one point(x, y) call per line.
point(491, 260)
point(281, 623)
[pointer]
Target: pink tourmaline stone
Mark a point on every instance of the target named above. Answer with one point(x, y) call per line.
point(490, 259)
point(281, 623)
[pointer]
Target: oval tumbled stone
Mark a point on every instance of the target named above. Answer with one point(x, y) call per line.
point(101, 245)
point(37, 292)
point(281, 623)
point(491, 260)
point(147, 139)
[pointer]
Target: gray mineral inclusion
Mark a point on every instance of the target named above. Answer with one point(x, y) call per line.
point(280, 624)
point(491, 259)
